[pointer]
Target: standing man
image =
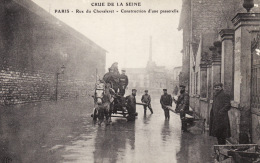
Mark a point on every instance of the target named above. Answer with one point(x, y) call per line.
point(219, 121)
point(131, 105)
point(166, 100)
point(146, 98)
point(123, 83)
point(182, 106)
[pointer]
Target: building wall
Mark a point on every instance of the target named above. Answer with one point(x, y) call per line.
point(17, 87)
point(206, 18)
point(34, 42)
point(39, 42)
point(176, 76)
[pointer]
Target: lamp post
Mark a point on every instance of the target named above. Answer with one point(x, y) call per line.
point(57, 80)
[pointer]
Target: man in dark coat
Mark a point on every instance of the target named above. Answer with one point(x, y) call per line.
point(108, 76)
point(131, 105)
point(123, 83)
point(166, 100)
point(219, 121)
point(146, 98)
point(182, 106)
point(112, 79)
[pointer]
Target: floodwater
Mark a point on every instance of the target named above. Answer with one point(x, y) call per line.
point(63, 131)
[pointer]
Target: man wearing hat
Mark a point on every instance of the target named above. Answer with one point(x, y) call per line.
point(166, 100)
point(219, 121)
point(123, 83)
point(146, 98)
point(182, 106)
point(131, 105)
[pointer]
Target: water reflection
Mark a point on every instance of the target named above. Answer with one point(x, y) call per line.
point(65, 133)
point(166, 131)
point(146, 119)
point(112, 143)
point(195, 148)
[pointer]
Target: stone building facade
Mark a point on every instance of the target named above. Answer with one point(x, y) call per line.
point(34, 46)
point(221, 41)
point(176, 76)
point(152, 78)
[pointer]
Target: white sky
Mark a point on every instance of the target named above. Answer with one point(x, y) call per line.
point(126, 36)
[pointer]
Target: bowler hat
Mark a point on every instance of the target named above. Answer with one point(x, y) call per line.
point(164, 89)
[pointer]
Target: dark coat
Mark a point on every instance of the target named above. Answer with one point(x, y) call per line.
point(131, 104)
point(166, 100)
point(219, 121)
point(123, 80)
point(146, 99)
point(182, 102)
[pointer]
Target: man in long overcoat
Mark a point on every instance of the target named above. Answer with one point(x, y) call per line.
point(219, 121)
point(182, 106)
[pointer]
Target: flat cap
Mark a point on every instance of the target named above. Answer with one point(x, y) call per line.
point(164, 89)
point(146, 90)
point(183, 86)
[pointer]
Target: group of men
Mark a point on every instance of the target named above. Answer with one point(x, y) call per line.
point(182, 105)
point(219, 125)
point(116, 80)
point(219, 120)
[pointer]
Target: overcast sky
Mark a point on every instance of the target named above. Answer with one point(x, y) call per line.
point(126, 36)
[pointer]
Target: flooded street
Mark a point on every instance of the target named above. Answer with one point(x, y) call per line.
point(64, 132)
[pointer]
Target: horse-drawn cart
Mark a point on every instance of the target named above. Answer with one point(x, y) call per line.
point(108, 103)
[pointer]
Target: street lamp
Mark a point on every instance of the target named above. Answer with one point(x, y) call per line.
point(57, 80)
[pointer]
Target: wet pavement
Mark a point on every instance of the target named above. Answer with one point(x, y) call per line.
point(63, 131)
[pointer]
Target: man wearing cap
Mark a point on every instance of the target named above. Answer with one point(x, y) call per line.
point(166, 100)
point(182, 106)
point(131, 105)
point(123, 82)
point(146, 98)
point(219, 121)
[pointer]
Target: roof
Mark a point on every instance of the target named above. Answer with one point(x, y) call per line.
point(34, 8)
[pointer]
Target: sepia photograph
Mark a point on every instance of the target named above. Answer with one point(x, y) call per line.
point(129, 81)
